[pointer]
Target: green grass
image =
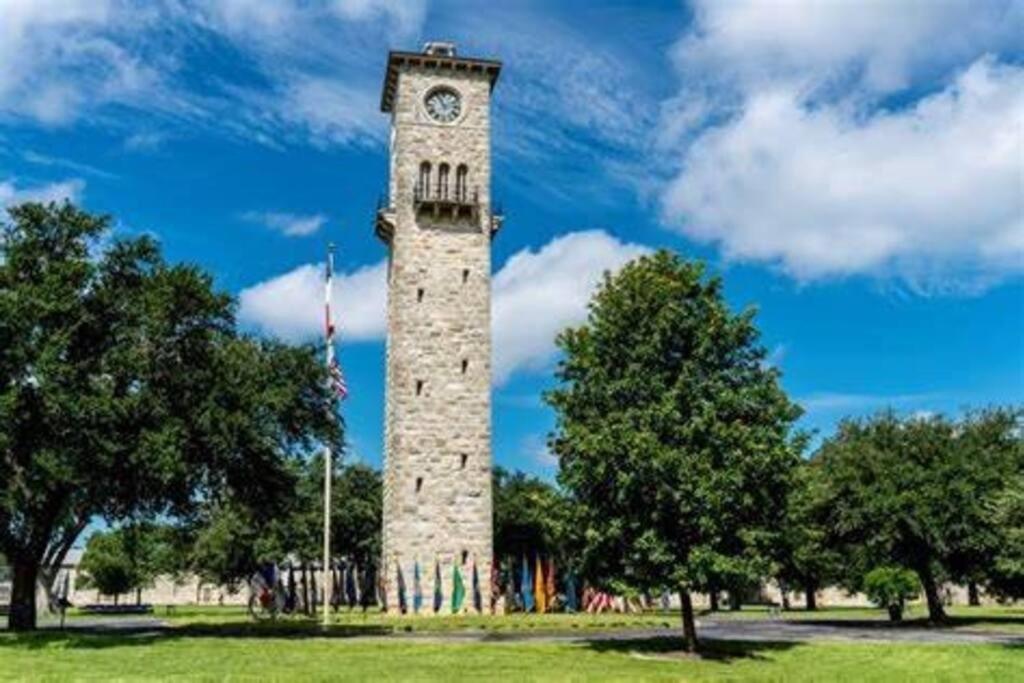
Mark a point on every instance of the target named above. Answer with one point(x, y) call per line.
point(191, 616)
point(54, 656)
point(994, 619)
point(983, 619)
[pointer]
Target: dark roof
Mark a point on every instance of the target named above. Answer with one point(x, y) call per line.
point(491, 67)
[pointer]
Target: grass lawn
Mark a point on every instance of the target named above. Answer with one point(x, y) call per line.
point(246, 655)
point(191, 616)
point(981, 619)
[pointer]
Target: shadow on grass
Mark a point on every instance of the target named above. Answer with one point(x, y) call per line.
point(98, 637)
point(671, 648)
point(951, 622)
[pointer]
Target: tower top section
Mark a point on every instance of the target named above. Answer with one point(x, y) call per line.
point(436, 55)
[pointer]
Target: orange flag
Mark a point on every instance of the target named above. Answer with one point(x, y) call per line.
point(549, 583)
point(538, 588)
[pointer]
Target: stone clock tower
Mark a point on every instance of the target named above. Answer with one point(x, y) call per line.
point(438, 222)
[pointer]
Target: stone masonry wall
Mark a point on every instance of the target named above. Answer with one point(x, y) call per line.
point(437, 483)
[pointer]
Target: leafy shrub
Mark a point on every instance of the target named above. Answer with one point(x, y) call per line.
point(891, 587)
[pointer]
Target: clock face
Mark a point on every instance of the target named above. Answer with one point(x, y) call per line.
point(443, 104)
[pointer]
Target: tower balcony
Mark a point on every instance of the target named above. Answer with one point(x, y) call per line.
point(384, 219)
point(441, 202)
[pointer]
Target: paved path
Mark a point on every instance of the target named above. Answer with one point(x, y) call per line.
point(745, 630)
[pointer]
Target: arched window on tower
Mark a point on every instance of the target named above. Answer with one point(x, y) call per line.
point(460, 183)
point(423, 186)
point(442, 181)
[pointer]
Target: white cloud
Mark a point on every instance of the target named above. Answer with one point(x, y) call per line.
point(70, 164)
point(549, 288)
point(11, 194)
point(837, 402)
point(537, 294)
point(879, 45)
point(288, 224)
point(311, 73)
point(58, 56)
point(332, 111)
point(291, 306)
point(931, 193)
point(407, 15)
point(146, 141)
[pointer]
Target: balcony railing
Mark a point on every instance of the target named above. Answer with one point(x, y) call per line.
point(442, 195)
point(456, 202)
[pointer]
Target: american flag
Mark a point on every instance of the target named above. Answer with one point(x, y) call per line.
point(337, 378)
point(338, 384)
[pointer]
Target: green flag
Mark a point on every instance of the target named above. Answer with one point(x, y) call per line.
point(458, 591)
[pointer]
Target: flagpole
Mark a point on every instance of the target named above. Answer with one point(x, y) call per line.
point(328, 455)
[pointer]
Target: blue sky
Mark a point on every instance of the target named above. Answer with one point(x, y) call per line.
point(855, 170)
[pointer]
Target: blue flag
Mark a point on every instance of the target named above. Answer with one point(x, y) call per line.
point(417, 589)
point(438, 594)
point(527, 587)
point(570, 593)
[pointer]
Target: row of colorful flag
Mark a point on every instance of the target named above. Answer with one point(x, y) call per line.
point(535, 587)
point(458, 595)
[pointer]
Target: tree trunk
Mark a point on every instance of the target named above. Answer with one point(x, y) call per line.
point(936, 612)
point(713, 599)
point(22, 615)
point(305, 592)
point(689, 627)
point(784, 594)
point(53, 560)
point(138, 596)
point(973, 598)
point(811, 598)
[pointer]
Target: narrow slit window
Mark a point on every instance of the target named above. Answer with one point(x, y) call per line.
point(463, 459)
point(419, 387)
point(423, 185)
point(465, 275)
point(465, 556)
point(465, 366)
point(419, 295)
point(419, 484)
point(442, 181)
point(460, 182)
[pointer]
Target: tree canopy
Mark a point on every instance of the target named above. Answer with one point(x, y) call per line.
point(913, 492)
point(231, 539)
point(673, 435)
point(530, 516)
point(125, 390)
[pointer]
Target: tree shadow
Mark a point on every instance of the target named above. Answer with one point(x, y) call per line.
point(669, 647)
point(99, 637)
point(951, 622)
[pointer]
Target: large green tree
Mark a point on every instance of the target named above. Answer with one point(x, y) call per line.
point(125, 391)
point(912, 493)
point(673, 435)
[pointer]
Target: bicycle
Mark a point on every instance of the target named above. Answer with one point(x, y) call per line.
point(266, 599)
